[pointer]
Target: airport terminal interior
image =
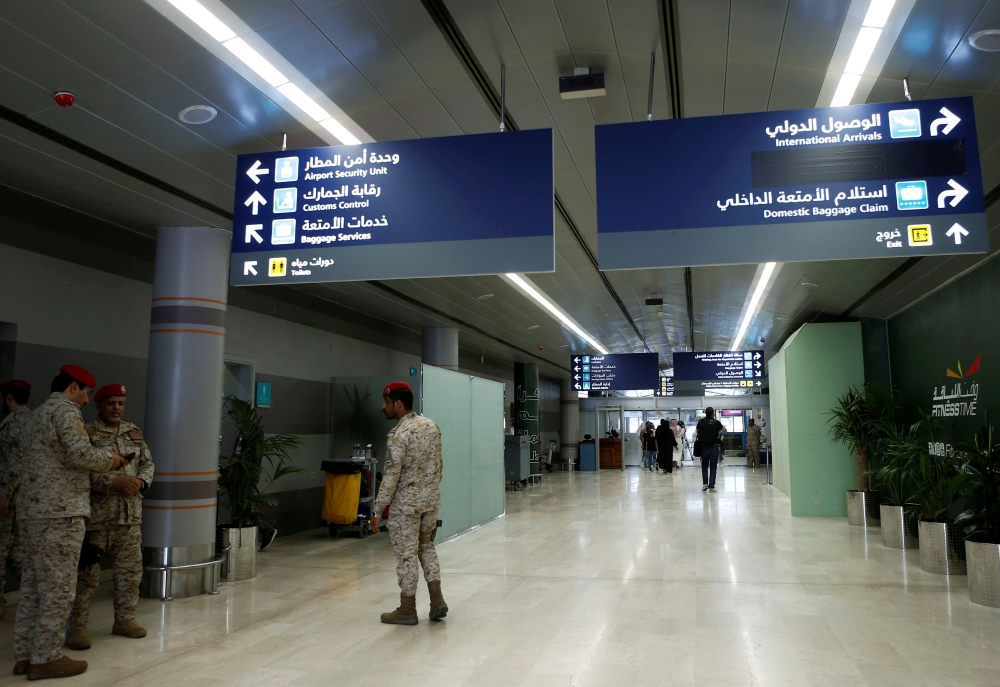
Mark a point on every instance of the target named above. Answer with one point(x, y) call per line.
point(692, 301)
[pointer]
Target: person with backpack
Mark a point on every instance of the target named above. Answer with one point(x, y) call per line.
point(709, 433)
point(665, 443)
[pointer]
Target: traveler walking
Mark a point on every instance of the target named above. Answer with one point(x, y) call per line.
point(709, 432)
point(678, 429)
point(665, 443)
point(647, 442)
point(411, 488)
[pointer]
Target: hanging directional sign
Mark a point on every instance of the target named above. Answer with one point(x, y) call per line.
point(431, 207)
point(615, 371)
point(719, 365)
point(862, 181)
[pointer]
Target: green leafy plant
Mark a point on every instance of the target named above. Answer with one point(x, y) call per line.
point(860, 418)
point(898, 448)
point(938, 479)
point(359, 422)
point(980, 489)
point(255, 458)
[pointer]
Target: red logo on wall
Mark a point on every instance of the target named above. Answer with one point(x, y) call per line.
point(973, 369)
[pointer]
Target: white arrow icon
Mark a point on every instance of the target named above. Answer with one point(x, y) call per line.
point(757, 364)
point(576, 386)
point(957, 193)
point(576, 376)
point(756, 374)
point(256, 172)
point(756, 356)
point(576, 360)
point(256, 200)
point(252, 230)
point(949, 121)
point(957, 231)
point(248, 267)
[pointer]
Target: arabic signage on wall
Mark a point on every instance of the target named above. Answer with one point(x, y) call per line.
point(719, 365)
point(432, 207)
point(940, 355)
point(615, 372)
point(863, 181)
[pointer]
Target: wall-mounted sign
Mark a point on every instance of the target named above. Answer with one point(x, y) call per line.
point(719, 365)
point(666, 387)
point(863, 181)
point(431, 207)
point(263, 394)
point(615, 372)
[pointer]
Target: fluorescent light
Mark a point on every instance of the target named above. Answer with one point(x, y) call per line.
point(304, 102)
point(340, 131)
point(862, 51)
point(752, 306)
point(253, 59)
point(554, 311)
point(197, 13)
point(845, 90)
point(878, 13)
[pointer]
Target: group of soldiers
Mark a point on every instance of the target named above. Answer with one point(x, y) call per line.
point(70, 494)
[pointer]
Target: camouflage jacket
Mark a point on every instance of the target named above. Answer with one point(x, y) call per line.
point(411, 482)
point(107, 507)
point(14, 431)
point(56, 463)
point(753, 435)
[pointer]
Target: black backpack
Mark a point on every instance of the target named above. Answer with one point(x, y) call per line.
point(708, 431)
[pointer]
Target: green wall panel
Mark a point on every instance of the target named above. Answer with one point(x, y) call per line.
point(817, 364)
point(948, 331)
point(779, 422)
point(469, 412)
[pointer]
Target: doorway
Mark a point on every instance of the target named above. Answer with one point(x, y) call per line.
point(610, 422)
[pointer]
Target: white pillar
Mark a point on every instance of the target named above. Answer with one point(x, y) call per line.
point(569, 411)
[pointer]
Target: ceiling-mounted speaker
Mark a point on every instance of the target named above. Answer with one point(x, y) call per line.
point(582, 84)
point(654, 301)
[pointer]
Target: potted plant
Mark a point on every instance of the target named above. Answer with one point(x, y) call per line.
point(980, 521)
point(255, 463)
point(898, 450)
point(858, 420)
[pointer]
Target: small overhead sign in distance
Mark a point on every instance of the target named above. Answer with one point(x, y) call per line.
point(428, 207)
point(863, 181)
point(615, 372)
point(666, 387)
point(719, 365)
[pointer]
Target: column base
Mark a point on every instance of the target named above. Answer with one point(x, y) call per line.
point(179, 572)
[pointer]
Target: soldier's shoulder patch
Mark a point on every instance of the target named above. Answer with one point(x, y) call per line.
point(135, 435)
point(80, 428)
point(15, 432)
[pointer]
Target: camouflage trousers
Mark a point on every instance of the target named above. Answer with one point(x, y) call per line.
point(10, 547)
point(48, 584)
point(753, 455)
point(123, 545)
point(410, 535)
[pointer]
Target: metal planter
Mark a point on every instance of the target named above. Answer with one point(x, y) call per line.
point(897, 533)
point(984, 573)
point(942, 551)
point(862, 508)
point(238, 548)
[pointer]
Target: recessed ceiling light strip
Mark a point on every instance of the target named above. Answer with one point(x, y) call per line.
point(753, 305)
point(536, 294)
point(866, 39)
point(220, 31)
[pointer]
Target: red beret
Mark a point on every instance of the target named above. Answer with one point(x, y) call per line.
point(395, 386)
point(109, 390)
point(15, 384)
point(79, 375)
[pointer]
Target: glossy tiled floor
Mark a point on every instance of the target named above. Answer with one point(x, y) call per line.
point(591, 579)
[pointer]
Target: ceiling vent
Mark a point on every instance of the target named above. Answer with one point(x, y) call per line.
point(197, 114)
point(582, 84)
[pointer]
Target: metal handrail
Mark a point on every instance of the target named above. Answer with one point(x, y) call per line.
point(190, 566)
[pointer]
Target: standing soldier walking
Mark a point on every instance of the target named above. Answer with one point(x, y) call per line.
point(115, 521)
point(53, 503)
point(13, 431)
point(753, 445)
point(411, 487)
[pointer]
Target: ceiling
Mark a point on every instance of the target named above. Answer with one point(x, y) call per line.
point(388, 65)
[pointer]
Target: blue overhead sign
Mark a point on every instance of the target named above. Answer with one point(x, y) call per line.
point(432, 207)
point(862, 181)
point(615, 371)
point(719, 365)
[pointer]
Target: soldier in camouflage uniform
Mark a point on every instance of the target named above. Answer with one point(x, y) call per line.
point(53, 504)
point(115, 521)
point(411, 487)
point(13, 430)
